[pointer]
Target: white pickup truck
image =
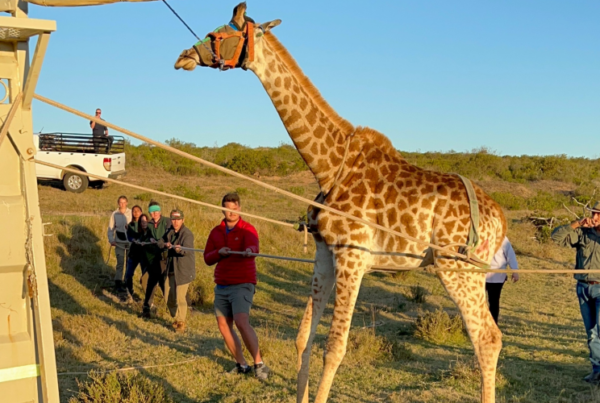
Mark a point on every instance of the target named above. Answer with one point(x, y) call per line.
point(82, 152)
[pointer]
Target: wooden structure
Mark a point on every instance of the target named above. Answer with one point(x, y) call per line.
point(27, 360)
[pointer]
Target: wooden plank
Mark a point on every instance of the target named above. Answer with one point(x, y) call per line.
point(11, 114)
point(34, 71)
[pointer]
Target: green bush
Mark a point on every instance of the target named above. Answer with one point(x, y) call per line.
point(119, 387)
point(282, 160)
point(508, 200)
point(365, 347)
point(483, 163)
point(439, 327)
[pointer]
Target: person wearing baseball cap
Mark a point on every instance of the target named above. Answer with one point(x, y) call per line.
point(584, 235)
point(156, 262)
point(181, 267)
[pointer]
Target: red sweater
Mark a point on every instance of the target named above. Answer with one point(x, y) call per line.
point(232, 269)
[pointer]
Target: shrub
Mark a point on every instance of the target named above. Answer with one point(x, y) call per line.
point(508, 200)
point(418, 294)
point(120, 388)
point(401, 351)
point(439, 327)
point(365, 347)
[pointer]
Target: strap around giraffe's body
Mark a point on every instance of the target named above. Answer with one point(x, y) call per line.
point(473, 239)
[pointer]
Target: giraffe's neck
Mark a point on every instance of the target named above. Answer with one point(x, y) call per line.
point(317, 131)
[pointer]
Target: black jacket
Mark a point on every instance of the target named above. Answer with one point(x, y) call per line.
point(183, 264)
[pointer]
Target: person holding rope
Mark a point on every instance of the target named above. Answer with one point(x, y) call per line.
point(117, 237)
point(136, 251)
point(235, 278)
point(584, 236)
point(495, 281)
point(157, 261)
point(181, 268)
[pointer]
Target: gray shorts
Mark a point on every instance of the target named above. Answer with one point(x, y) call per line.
point(234, 299)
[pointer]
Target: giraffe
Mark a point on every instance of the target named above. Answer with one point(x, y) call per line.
point(361, 173)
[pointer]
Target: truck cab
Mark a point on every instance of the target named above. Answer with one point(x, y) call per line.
point(103, 157)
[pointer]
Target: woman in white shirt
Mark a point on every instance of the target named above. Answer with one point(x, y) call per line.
point(494, 281)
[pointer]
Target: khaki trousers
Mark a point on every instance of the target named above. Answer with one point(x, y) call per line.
point(176, 300)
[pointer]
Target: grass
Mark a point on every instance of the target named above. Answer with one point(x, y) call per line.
point(120, 388)
point(543, 358)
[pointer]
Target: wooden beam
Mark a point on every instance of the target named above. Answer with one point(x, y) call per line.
point(34, 70)
point(10, 116)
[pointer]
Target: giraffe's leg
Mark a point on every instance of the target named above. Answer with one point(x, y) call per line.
point(467, 290)
point(322, 284)
point(347, 286)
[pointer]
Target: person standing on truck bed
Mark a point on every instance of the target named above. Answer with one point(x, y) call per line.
point(100, 133)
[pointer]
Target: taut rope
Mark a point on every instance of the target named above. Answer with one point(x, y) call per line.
point(255, 181)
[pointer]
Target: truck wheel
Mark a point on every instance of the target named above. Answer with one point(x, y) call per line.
point(75, 183)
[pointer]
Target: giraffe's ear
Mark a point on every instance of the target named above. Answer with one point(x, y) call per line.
point(266, 26)
point(238, 14)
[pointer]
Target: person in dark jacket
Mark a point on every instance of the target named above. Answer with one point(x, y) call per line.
point(136, 252)
point(235, 278)
point(157, 261)
point(181, 268)
point(584, 236)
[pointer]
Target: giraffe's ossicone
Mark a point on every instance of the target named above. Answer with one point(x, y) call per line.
point(359, 172)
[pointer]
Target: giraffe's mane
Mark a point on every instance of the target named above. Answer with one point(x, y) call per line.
point(306, 84)
point(378, 139)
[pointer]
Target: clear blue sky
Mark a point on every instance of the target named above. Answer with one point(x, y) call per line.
point(518, 77)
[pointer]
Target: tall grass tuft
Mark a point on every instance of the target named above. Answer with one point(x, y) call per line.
point(418, 294)
point(201, 291)
point(441, 328)
point(365, 347)
point(120, 388)
point(465, 374)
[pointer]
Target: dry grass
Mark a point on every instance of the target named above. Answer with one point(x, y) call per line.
point(543, 359)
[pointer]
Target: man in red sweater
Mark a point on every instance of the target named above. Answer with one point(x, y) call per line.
point(235, 278)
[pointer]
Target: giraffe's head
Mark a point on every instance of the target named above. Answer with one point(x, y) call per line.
point(228, 46)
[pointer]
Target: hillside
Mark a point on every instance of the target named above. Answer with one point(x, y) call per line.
point(544, 354)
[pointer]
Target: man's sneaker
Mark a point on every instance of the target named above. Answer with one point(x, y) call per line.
point(240, 370)
point(261, 371)
point(146, 314)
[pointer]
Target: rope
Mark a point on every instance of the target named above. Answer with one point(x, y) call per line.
point(255, 181)
point(193, 33)
point(287, 224)
point(130, 368)
point(181, 19)
point(387, 269)
point(292, 259)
